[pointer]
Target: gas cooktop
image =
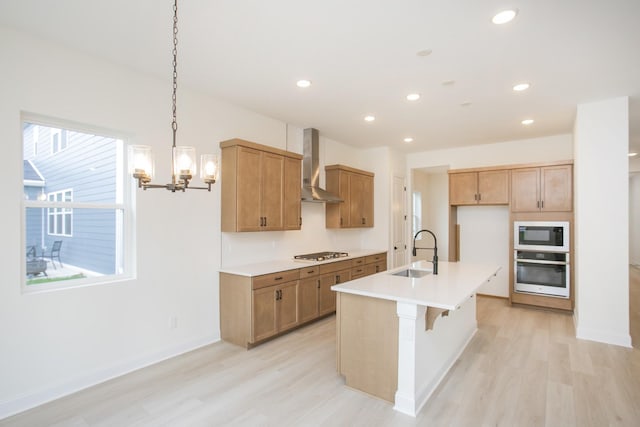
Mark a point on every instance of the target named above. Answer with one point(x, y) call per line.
point(320, 256)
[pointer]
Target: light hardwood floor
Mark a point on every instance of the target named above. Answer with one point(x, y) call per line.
point(524, 367)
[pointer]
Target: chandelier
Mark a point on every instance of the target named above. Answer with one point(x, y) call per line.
point(183, 159)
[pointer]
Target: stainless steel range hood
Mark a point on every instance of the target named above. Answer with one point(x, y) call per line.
point(311, 191)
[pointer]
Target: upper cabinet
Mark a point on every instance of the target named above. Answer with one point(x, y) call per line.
point(542, 189)
point(355, 187)
point(260, 187)
point(489, 187)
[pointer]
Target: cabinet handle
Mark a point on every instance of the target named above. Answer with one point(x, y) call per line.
point(278, 278)
point(542, 204)
point(340, 220)
point(300, 221)
point(311, 271)
point(475, 197)
point(538, 204)
point(479, 196)
point(277, 295)
point(265, 221)
point(318, 283)
point(337, 278)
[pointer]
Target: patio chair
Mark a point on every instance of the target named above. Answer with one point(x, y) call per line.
point(35, 265)
point(55, 253)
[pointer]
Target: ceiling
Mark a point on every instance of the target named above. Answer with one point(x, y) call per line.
point(361, 56)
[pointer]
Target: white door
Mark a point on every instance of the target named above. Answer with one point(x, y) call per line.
point(399, 221)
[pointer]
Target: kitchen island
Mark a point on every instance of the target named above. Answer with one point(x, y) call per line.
point(400, 331)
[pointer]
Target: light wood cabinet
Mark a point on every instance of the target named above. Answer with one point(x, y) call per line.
point(489, 187)
point(254, 309)
point(356, 188)
point(542, 189)
point(292, 197)
point(260, 187)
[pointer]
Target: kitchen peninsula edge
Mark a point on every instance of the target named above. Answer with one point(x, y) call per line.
point(397, 337)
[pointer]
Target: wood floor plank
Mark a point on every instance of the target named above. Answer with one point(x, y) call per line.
point(523, 367)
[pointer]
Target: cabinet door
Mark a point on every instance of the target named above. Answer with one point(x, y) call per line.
point(248, 189)
point(264, 313)
point(525, 190)
point(556, 188)
point(308, 290)
point(463, 188)
point(287, 306)
point(327, 297)
point(292, 186)
point(367, 201)
point(356, 206)
point(493, 187)
point(272, 193)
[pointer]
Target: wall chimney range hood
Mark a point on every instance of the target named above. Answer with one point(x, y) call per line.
point(311, 191)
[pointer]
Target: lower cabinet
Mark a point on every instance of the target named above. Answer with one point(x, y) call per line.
point(253, 309)
point(274, 310)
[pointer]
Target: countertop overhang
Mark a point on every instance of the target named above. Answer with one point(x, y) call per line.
point(453, 285)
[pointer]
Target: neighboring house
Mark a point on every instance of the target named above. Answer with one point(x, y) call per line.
point(67, 166)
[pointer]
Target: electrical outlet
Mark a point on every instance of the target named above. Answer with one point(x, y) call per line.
point(173, 322)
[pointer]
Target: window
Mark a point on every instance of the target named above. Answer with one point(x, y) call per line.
point(58, 140)
point(77, 210)
point(60, 219)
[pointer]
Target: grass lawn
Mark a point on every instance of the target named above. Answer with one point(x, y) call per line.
point(53, 279)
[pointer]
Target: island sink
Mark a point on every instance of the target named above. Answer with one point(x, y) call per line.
point(412, 273)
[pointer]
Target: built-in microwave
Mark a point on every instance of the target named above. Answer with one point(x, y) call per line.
point(552, 236)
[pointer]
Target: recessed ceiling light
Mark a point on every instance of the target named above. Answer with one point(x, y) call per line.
point(632, 154)
point(409, 139)
point(424, 52)
point(303, 83)
point(448, 82)
point(413, 97)
point(521, 86)
point(527, 122)
point(369, 118)
point(504, 17)
point(465, 104)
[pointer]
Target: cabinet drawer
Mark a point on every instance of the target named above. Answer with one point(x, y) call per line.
point(335, 266)
point(376, 268)
point(357, 262)
point(376, 258)
point(309, 272)
point(274, 278)
point(358, 272)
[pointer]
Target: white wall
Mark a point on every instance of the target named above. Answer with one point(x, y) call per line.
point(57, 342)
point(634, 219)
point(601, 221)
point(484, 238)
point(551, 148)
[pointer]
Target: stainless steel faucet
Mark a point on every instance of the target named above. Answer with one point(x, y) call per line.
point(434, 261)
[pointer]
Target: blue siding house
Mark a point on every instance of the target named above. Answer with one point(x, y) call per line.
point(66, 166)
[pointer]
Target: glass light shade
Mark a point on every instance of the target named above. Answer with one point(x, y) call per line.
point(209, 168)
point(140, 160)
point(184, 159)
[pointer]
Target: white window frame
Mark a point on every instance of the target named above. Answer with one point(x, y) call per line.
point(124, 203)
point(63, 212)
point(60, 143)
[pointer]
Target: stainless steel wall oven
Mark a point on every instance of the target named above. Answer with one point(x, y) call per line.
point(544, 273)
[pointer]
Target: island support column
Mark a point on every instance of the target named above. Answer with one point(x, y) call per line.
point(426, 355)
point(405, 399)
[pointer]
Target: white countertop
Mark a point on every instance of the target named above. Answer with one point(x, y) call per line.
point(454, 284)
point(268, 267)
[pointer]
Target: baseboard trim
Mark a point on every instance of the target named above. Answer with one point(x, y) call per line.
point(31, 400)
